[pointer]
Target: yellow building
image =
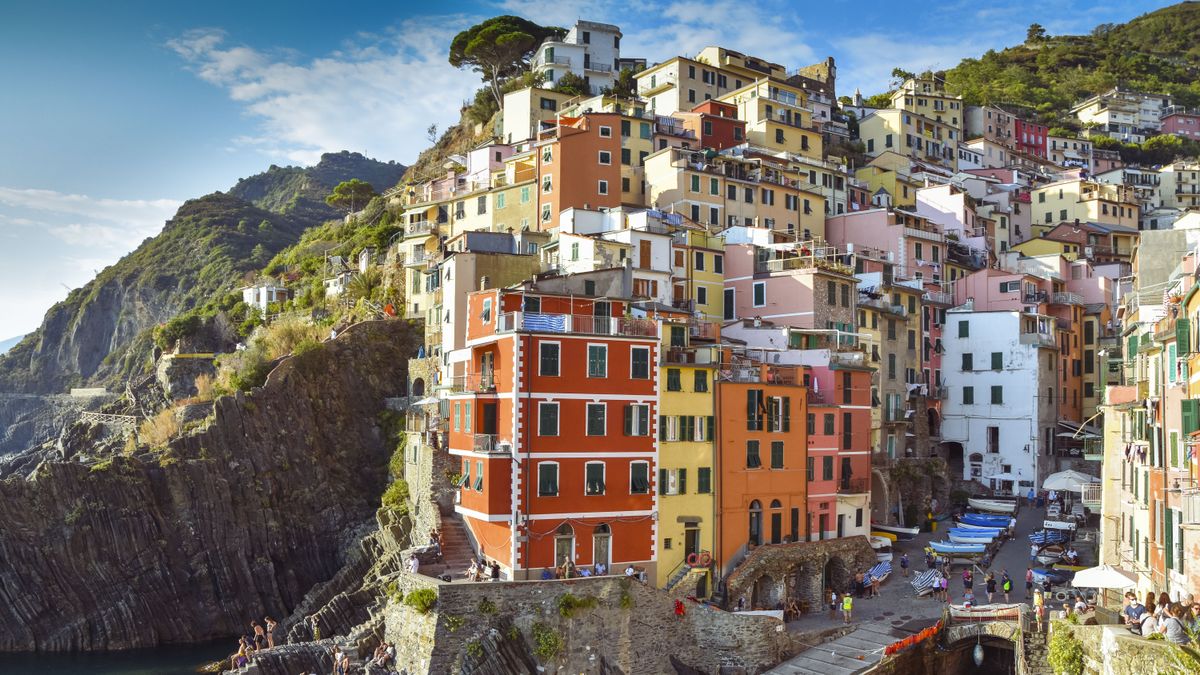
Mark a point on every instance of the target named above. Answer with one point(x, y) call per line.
point(910, 134)
point(525, 109)
point(1085, 201)
point(777, 117)
point(889, 321)
point(685, 452)
point(927, 97)
point(699, 274)
point(898, 185)
point(1042, 246)
point(678, 84)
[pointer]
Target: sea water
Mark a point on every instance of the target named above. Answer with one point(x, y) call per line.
point(156, 661)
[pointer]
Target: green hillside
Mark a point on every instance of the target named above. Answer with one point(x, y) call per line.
point(1156, 52)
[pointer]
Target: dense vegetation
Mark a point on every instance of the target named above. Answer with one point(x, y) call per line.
point(1156, 52)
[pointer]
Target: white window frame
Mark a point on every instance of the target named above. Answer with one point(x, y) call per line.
point(546, 214)
point(478, 482)
point(649, 367)
point(672, 486)
point(753, 293)
point(602, 187)
point(605, 132)
point(603, 479)
point(587, 365)
point(649, 477)
point(729, 306)
point(587, 418)
point(634, 430)
point(544, 343)
point(671, 427)
point(557, 418)
point(600, 157)
point(557, 478)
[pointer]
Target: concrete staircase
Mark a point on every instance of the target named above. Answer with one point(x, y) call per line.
point(841, 656)
point(1037, 653)
point(456, 545)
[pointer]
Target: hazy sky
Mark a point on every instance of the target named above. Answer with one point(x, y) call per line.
point(113, 113)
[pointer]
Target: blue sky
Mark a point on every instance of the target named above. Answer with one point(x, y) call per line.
point(116, 112)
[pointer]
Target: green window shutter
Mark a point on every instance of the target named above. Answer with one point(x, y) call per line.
point(1174, 449)
point(1170, 543)
point(997, 361)
point(683, 481)
point(1146, 487)
point(1131, 350)
point(662, 481)
point(787, 413)
point(964, 329)
point(628, 420)
point(712, 428)
point(704, 480)
point(662, 427)
point(1190, 414)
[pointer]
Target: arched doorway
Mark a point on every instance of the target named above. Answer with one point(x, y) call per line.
point(765, 594)
point(776, 521)
point(418, 388)
point(835, 575)
point(602, 545)
point(879, 496)
point(755, 523)
point(935, 423)
point(564, 544)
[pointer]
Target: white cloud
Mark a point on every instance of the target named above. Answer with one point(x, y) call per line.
point(132, 214)
point(376, 95)
point(867, 60)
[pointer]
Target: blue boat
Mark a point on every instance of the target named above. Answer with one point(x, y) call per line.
point(880, 571)
point(969, 526)
point(972, 535)
point(1045, 537)
point(985, 519)
point(950, 548)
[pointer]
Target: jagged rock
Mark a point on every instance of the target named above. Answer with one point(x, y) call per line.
point(233, 523)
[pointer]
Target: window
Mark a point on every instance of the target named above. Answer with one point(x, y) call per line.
point(605, 157)
point(481, 205)
point(776, 454)
point(626, 156)
point(845, 295)
point(547, 419)
point(548, 183)
point(729, 310)
point(831, 292)
point(673, 382)
point(596, 419)
point(639, 363)
point(704, 480)
point(605, 132)
point(779, 136)
point(625, 127)
point(701, 295)
point(714, 186)
point(637, 419)
point(968, 361)
point(891, 360)
point(545, 213)
point(997, 395)
point(549, 359)
point(700, 383)
point(500, 200)
point(718, 264)
point(752, 459)
point(827, 468)
point(639, 478)
point(597, 365)
point(548, 479)
point(760, 294)
point(479, 476)
point(699, 258)
point(602, 187)
point(964, 329)
point(593, 478)
point(997, 361)
point(968, 395)
point(829, 422)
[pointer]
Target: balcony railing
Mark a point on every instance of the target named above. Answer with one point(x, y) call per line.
point(491, 443)
point(755, 374)
point(475, 382)
point(656, 83)
point(417, 258)
point(419, 227)
point(1039, 339)
point(1034, 298)
point(1067, 299)
point(852, 486)
point(554, 60)
point(939, 297)
point(894, 415)
point(598, 67)
point(704, 330)
point(575, 323)
point(1092, 492)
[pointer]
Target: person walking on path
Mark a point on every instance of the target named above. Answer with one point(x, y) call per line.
point(1006, 585)
point(1039, 607)
point(847, 608)
point(990, 586)
point(1028, 582)
point(968, 579)
point(945, 589)
point(904, 563)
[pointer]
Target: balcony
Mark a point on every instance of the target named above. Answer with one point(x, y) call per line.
point(924, 234)
point(491, 444)
point(1035, 298)
point(758, 374)
point(853, 486)
point(510, 322)
point(656, 83)
point(896, 415)
point(1067, 299)
point(482, 382)
point(883, 304)
point(419, 227)
point(1190, 500)
point(801, 263)
point(704, 330)
point(598, 67)
point(1092, 492)
point(1039, 339)
point(417, 258)
point(553, 60)
point(669, 126)
point(939, 297)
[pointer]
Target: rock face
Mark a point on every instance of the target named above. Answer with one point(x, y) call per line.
point(229, 524)
point(29, 420)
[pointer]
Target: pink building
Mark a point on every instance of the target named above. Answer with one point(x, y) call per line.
point(1181, 122)
point(917, 247)
point(797, 284)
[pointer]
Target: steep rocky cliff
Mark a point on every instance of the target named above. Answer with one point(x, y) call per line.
point(190, 542)
point(101, 332)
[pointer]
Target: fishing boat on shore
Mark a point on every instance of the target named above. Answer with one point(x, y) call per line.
point(1047, 537)
point(986, 612)
point(886, 535)
point(883, 548)
point(902, 533)
point(992, 505)
point(1048, 555)
point(972, 535)
point(986, 519)
point(924, 583)
point(964, 525)
point(950, 548)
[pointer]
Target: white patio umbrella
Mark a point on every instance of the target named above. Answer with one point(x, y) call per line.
point(1104, 576)
point(1068, 480)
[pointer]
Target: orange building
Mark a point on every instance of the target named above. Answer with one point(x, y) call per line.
point(579, 164)
point(555, 427)
point(761, 453)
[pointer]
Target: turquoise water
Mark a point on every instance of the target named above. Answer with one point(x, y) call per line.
point(158, 661)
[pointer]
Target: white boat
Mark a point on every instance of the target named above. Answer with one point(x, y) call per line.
point(883, 548)
point(992, 505)
point(962, 525)
point(902, 533)
point(986, 612)
point(924, 582)
point(964, 538)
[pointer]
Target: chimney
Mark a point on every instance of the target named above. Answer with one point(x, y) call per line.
point(484, 283)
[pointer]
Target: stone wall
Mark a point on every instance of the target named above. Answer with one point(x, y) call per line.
point(1113, 650)
point(776, 573)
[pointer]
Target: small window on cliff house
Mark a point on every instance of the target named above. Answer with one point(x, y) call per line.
point(418, 387)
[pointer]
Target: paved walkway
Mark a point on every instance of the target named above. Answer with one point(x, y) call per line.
point(898, 611)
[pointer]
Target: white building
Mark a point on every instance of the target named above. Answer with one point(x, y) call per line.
point(590, 50)
point(262, 294)
point(639, 239)
point(999, 368)
point(1127, 115)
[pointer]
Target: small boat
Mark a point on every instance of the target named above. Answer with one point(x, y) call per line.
point(886, 535)
point(883, 548)
point(950, 548)
point(963, 525)
point(985, 519)
point(881, 571)
point(986, 612)
point(1049, 555)
point(1046, 537)
point(902, 533)
point(924, 582)
point(969, 536)
point(993, 505)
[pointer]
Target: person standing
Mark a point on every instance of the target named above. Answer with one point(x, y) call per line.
point(1039, 607)
point(833, 604)
point(904, 563)
point(1006, 585)
point(1033, 551)
point(990, 585)
point(945, 589)
point(1028, 581)
point(847, 608)
point(495, 570)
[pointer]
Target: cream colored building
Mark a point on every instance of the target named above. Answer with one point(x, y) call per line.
point(1086, 201)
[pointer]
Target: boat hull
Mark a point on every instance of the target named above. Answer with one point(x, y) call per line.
point(902, 533)
point(947, 548)
point(986, 612)
point(994, 506)
point(964, 539)
point(886, 535)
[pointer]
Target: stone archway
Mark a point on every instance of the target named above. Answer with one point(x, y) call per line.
point(836, 575)
point(880, 496)
point(767, 593)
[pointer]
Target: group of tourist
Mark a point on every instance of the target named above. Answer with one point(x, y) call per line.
point(481, 570)
point(1175, 621)
point(383, 660)
point(260, 637)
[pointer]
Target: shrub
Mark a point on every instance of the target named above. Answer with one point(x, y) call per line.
point(205, 388)
point(626, 600)
point(487, 606)
point(178, 327)
point(394, 593)
point(567, 604)
point(282, 337)
point(422, 599)
point(395, 497)
point(1066, 653)
point(475, 649)
point(453, 623)
point(158, 430)
point(547, 643)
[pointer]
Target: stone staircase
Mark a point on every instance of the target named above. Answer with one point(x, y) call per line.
point(457, 553)
point(1037, 653)
point(841, 656)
